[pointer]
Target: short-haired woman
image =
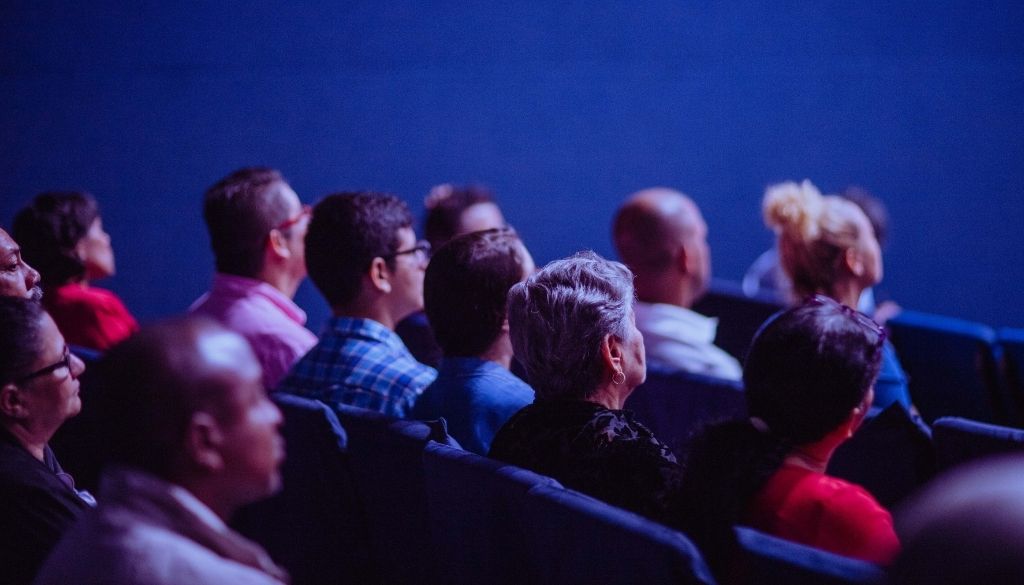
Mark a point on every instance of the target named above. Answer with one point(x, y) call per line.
point(827, 246)
point(61, 234)
point(573, 330)
point(808, 379)
point(38, 392)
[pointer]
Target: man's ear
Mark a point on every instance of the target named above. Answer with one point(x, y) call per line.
point(203, 442)
point(853, 261)
point(277, 244)
point(11, 403)
point(379, 275)
point(682, 259)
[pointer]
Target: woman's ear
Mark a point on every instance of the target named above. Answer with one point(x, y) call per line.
point(853, 261)
point(11, 403)
point(611, 353)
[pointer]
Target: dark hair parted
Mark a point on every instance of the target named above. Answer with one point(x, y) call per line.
point(153, 384)
point(559, 317)
point(807, 369)
point(240, 210)
point(20, 342)
point(346, 232)
point(49, 228)
point(466, 286)
point(445, 206)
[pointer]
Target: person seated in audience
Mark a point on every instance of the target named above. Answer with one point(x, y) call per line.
point(573, 330)
point(190, 437)
point(966, 527)
point(766, 275)
point(808, 380)
point(451, 211)
point(465, 291)
point(257, 229)
point(61, 233)
point(660, 234)
point(363, 256)
point(827, 246)
point(17, 278)
point(39, 391)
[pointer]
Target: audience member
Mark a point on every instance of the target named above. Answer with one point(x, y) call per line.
point(661, 236)
point(17, 278)
point(39, 392)
point(451, 211)
point(827, 245)
point(465, 291)
point(572, 328)
point(808, 380)
point(363, 256)
point(965, 528)
point(61, 233)
point(191, 436)
point(257, 230)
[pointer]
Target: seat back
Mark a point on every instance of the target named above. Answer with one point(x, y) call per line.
point(739, 316)
point(891, 455)
point(767, 560)
point(674, 404)
point(386, 455)
point(952, 366)
point(474, 504)
point(1011, 342)
point(958, 440)
point(573, 538)
point(315, 526)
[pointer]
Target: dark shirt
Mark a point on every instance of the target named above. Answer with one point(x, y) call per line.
point(36, 506)
point(587, 447)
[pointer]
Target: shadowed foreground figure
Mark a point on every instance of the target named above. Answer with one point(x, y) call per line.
point(191, 437)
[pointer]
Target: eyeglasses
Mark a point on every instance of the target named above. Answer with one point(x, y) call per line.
point(65, 362)
point(306, 211)
point(421, 250)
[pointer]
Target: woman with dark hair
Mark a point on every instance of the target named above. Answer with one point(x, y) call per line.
point(809, 383)
point(61, 234)
point(38, 392)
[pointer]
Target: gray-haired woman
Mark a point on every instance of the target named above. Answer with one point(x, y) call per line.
point(573, 330)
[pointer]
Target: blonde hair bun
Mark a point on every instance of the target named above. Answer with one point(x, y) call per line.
point(794, 209)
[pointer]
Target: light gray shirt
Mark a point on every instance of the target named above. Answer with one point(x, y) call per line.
point(677, 337)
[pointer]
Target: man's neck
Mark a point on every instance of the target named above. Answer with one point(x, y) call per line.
point(282, 281)
point(500, 352)
point(374, 311)
point(664, 290)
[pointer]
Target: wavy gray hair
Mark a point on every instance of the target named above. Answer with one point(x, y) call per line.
point(560, 315)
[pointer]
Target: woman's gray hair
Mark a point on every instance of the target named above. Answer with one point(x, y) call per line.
point(560, 315)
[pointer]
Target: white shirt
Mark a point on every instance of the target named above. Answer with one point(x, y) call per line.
point(677, 337)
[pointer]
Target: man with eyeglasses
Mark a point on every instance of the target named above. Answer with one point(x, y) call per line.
point(362, 254)
point(257, 229)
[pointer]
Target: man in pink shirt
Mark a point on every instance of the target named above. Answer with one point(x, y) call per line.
point(257, 231)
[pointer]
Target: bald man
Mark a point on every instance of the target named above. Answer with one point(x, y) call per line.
point(191, 437)
point(660, 234)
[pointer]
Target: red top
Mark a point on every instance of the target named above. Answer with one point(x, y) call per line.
point(825, 512)
point(88, 316)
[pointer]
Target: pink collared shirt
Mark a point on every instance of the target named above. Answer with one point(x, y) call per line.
point(273, 324)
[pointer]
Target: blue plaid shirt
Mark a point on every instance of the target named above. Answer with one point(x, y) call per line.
point(362, 363)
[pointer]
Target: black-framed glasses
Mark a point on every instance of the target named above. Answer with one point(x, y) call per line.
point(421, 250)
point(860, 318)
point(65, 362)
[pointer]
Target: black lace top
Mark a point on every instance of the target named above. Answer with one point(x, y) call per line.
point(587, 447)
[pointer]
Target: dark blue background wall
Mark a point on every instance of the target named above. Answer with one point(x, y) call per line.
point(563, 107)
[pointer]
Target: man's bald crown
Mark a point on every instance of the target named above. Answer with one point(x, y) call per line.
point(650, 227)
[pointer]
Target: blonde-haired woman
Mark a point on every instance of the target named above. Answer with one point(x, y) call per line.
point(827, 246)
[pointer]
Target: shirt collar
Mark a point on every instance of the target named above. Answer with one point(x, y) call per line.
point(233, 285)
point(696, 326)
point(367, 328)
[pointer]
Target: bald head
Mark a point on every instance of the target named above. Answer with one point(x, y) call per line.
point(660, 234)
point(160, 378)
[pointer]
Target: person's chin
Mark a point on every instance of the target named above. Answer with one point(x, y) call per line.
point(36, 293)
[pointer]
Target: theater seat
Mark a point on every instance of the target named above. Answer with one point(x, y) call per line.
point(1012, 343)
point(315, 526)
point(952, 367)
point(387, 459)
point(474, 504)
point(959, 440)
point(674, 404)
point(739, 316)
point(767, 560)
point(574, 539)
point(891, 455)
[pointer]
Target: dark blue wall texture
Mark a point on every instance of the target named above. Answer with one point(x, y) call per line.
point(563, 107)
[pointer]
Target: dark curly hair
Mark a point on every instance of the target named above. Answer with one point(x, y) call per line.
point(48, 229)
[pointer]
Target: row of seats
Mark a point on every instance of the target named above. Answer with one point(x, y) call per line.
point(956, 367)
point(368, 499)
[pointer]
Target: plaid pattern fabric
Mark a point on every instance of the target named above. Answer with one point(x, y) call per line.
point(360, 362)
